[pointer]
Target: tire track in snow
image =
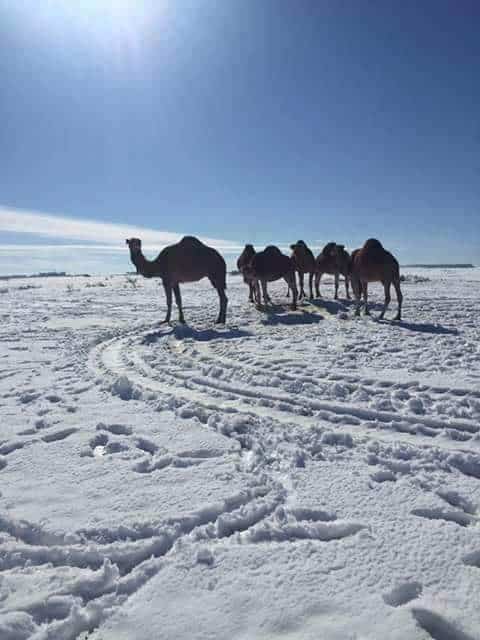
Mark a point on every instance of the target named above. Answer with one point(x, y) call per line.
point(119, 356)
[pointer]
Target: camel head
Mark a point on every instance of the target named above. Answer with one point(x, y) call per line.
point(248, 252)
point(299, 246)
point(330, 249)
point(134, 244)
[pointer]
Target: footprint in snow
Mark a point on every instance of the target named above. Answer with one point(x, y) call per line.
point(454, 499)
point(59, 435)
point(403, 593)
point(96, 446)
point(9, 447)
point(472, 559)
point(458, 517)
point(115, 429)
point(438, 627)
point(146, 445)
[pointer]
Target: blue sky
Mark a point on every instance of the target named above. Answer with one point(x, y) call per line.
point(244, 121)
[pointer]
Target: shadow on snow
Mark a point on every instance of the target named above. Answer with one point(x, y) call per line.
point(278, 314)
point(181, 332)
point(421, 327)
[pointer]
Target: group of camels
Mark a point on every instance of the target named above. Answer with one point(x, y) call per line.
point(190, 260)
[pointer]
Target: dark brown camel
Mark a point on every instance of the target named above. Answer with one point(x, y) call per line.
point(304, 262)
point(269, 265)
point(334, 260)
point(242, 262)
point(187, 261)
point(372, 263)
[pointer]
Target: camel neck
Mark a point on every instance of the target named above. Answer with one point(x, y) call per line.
point(144, 266)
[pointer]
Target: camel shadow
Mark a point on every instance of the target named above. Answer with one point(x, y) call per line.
point(331, 306)
point(421, 327)
point(182, 332)
point(154, 336)
point(278, 314)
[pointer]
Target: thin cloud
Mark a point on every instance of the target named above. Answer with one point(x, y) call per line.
point(102, 233)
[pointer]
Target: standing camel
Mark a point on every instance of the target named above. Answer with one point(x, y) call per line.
point(242, 262)
point(187, 261)
point(304, 262)
point(269, 265)
point(372, 263)
point(334, 260)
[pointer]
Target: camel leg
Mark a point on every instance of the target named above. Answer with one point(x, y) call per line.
point(290, 280)
point(386, 288)
point(357, 292)
point(258, 299)
point(168, 295)
point(252, 291)
point(256, 294)
point(365, 298)
point(346, 287)
point(266, 298)
point(337, 280)
point(288, 291)
point(318, 277)
point(301, 283)
point(222, 316)
point(396, 284)
point(178, 302)
point(310, 284)
point(218, 283)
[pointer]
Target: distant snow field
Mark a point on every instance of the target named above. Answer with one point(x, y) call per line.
point(292, 475)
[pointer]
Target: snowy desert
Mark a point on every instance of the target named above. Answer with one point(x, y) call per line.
point(292, 475)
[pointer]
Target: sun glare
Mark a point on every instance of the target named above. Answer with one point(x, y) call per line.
point(115, 27)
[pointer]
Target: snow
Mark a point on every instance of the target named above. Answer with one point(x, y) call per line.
point(290, 475)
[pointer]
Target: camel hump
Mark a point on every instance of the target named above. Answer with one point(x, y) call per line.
point(299, 245)
point(272, 250)
point(191, 241)
point(373, 243)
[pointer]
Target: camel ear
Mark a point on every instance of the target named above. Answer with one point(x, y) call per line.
point(127, 241)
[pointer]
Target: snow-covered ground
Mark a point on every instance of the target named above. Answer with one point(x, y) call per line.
point(301, 475)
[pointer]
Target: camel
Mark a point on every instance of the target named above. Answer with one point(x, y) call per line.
point(187, 261)
point(334, 260)
point(304, 262)
point(242, 262)
point(372, 263)
point(269, 265)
